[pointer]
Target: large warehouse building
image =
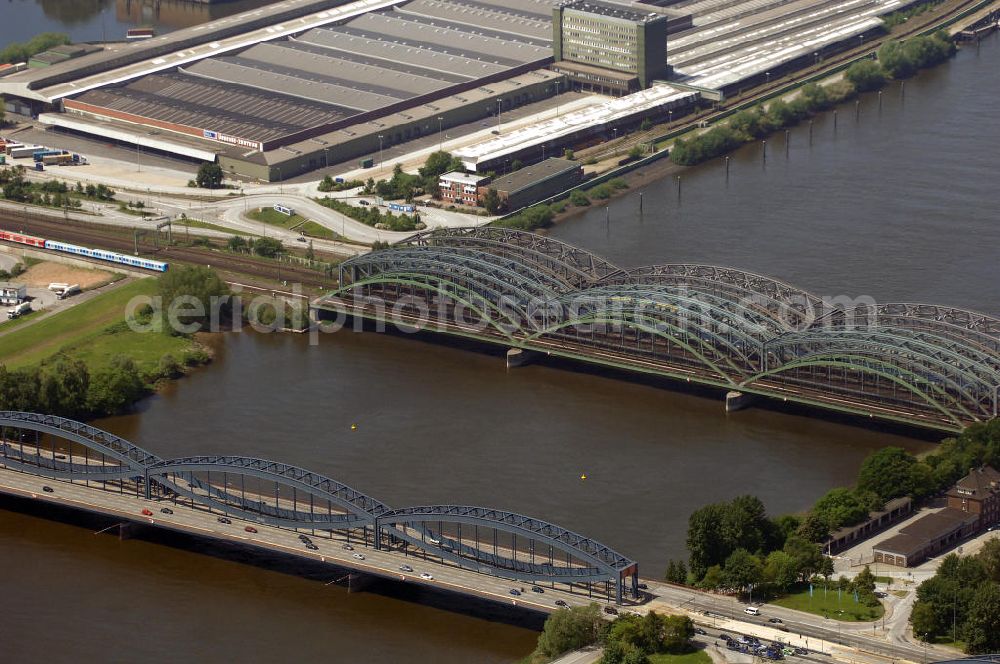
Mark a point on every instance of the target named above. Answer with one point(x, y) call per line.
point(302, 84)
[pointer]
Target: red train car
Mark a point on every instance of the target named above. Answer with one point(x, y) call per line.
point(21, 238)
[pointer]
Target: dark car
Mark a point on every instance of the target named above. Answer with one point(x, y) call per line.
point(515, 592)
point(48, 489)
point(699, 630)
point(643, 586)
point(304, 539)
point(300, 239)
point(611, 610)
point(250, 529)
point(363, 202)
point(536, 589)
point(801, 651)
point(560, 602)
point(725, 637)
point(223, 519)
point(347, 547)
point(166, 510)
point(774, 620)
point(311, 546)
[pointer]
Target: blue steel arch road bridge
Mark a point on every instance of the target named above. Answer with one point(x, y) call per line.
point(925, 365)
point(470, 548)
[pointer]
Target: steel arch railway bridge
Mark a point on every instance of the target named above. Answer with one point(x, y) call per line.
point(483, 540)
point(924, 365)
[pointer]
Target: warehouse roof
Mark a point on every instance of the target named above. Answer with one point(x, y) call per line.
point(613, 10)
point(533, 174)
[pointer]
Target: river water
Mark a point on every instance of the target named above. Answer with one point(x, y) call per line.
point(108, 20)
point(898, 205)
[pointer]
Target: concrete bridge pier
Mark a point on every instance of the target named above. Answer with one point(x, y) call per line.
point(518, 357)
point(738, 401)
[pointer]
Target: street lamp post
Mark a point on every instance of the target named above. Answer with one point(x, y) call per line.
point(767, 77)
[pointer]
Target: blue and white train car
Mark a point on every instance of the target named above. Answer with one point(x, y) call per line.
point(110, 256)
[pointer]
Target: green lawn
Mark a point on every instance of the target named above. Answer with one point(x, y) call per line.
point(197, 223)
point(696, 657)
point(82, 332)
point(8, 323)
point(295, 223)
point(827, 604)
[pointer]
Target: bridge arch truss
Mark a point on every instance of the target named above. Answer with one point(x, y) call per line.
point(921, 364)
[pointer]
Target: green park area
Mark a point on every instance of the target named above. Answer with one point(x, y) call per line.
point(696, 657)
point(830, 603)
point(92, 332)
point(293, 222)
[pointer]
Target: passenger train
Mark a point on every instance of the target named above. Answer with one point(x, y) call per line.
point(99, 254)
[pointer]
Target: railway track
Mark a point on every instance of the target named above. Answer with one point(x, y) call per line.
point(113, 238)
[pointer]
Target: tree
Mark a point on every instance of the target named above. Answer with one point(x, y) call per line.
point(924, 621)
point(676, 633)
point(491, 201)
point(742, 570)
point(826, 568)
point(807, 555)
point(864, 582)
point(570, 629)
point(209, 176)
point(568, 154)
point(866, 75)
point(676, 572)
point(705, 541)
point(197, 284)
point(115, 387)
point(780, 570)
point(886, 473)
point(578, 198)
point(840, 507)
point(989, 555)
point(982, 632)
point(310, 252)
point(268, 247)
point(62, 387)
point(516, 165)
point(713, 578)
point(237, 244)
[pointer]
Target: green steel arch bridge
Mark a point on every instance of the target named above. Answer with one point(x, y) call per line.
point(924, 365)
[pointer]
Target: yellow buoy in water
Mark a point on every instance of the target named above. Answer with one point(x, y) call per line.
point(354, 427)
point(584, 476)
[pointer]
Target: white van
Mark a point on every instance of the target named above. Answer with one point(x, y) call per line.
point(752, 611)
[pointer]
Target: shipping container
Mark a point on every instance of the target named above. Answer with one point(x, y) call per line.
point(55, 159)
point(24, 151)
point(41, 154)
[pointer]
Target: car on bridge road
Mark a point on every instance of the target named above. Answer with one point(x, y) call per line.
point(311, 546)
point(166, 510)
point(358, 556)
point(304, 539)
point(405, 568)
point(147, 512)
point(347, 547)
point(426, 576)
point(48, 489)
point(515, 592)
point(560, 602)
point(536, 589)
point(223, 519)
point(699, 630)
point(774, 620)
point(250, 529)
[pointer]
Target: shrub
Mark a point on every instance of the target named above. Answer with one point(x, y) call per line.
point(866, 75)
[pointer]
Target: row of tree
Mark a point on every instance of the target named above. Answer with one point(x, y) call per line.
point(961, 602)
point(268, 247)
point(22, 51)
point(629, 639)
point(373, 216)
point(895, 60)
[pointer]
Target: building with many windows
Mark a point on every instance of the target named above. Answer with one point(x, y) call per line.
point(461, 188)
point(609, 46)
point(978, 493)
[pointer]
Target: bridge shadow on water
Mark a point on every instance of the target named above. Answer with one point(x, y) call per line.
point(321, 573)
point(658, 382)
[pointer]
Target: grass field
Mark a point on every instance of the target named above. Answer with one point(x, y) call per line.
point(295, 222)
point(696, 657)
point(207, 225)
point(82, 332)
point(827, 604)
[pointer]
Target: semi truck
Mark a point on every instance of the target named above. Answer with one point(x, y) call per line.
point(57, 159)
point(72, 289)
point(19, 310)
point(24, 151)
point(39, 155)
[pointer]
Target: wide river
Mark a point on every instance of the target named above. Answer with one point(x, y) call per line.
point(898, 206)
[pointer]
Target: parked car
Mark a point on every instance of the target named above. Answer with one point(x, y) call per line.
point(250, 529)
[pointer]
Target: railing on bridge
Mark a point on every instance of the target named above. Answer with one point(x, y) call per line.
point(493, 542)
point(926, 365)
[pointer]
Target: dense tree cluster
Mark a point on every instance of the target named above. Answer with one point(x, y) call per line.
point(373, 216)
point(529, 219)
point(209, 175)
point(962, 601)
point(630, 639)
point(904, 59)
